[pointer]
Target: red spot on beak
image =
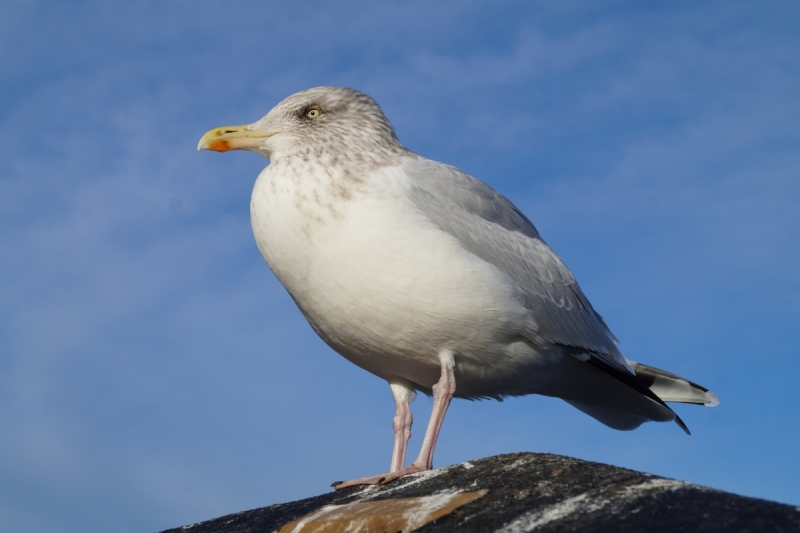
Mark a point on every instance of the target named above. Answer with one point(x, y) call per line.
point(219, 146)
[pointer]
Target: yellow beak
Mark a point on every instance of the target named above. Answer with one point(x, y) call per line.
point(232, 138)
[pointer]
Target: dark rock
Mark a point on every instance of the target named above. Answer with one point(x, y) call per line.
point(547, 493)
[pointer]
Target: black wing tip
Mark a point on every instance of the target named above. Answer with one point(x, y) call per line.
point(635, 382)
point(681, 424)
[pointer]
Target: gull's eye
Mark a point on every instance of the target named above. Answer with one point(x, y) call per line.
point(314, 112)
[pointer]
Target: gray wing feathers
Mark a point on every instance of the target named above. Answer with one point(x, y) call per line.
point(489, 226)
point(470, 194)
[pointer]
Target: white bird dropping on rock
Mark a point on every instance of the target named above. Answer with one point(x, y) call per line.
point(426, 276)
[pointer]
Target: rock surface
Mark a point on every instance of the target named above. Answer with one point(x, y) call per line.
point(527, 492)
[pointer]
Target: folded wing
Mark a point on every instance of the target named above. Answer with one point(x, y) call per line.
point(489, 226)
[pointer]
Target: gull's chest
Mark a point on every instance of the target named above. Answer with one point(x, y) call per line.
point(316, 234)
point(369, 272)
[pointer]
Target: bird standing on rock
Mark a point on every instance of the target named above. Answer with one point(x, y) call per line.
point(427, 277)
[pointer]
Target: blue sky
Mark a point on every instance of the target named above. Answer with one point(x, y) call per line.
point(154, 373)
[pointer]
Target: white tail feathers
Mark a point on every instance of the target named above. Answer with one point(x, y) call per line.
point(672, 388)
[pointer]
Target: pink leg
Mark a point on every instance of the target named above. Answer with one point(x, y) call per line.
point(403, 394)
point(442, 394)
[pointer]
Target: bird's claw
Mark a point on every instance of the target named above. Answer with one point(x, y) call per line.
point(380, 479)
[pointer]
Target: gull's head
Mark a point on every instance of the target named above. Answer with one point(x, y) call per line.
point(318, 122)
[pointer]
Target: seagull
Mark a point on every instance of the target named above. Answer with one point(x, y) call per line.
point(427, 277)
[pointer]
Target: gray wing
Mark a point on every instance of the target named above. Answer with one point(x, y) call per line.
point(491, 227)
point(470, 194)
